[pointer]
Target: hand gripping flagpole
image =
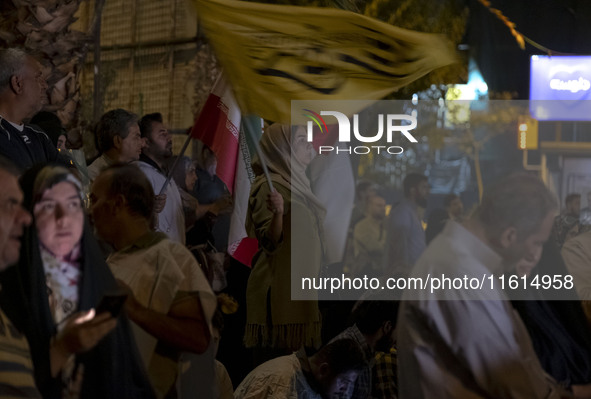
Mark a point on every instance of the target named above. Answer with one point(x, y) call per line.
point(176, 161)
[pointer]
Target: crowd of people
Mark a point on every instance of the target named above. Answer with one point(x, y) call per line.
point(112, 285)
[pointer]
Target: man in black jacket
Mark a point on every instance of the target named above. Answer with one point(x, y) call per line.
point(22, 94)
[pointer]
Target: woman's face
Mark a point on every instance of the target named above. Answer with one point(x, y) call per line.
point(59, 218)
point(302, 149)
point(190, 178)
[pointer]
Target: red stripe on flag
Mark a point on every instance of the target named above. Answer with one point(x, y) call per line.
point(244, 250)
point(216, 130)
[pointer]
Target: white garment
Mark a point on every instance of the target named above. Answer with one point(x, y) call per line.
point(576, 253)
point(225, 390)
point(332, 181)
point(99, 164)
point(279, 378)
point(171, 221)
point(461, 343)
point(155, 275)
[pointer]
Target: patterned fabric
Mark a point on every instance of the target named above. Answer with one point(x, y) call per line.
point(62, 279)
point(385, 381)
point(279, 378)
point(362, 387)
point(16, 366)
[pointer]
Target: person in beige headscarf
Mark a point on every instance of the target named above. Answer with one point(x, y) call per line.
point(277, 325)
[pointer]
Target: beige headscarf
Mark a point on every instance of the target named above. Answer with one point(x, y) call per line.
point(284, 167)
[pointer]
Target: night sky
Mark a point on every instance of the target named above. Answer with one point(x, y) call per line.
point(563, 26)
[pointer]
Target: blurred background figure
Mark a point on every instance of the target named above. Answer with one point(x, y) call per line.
point(566, 225)
point(369, 239)
point(211, 190)
point(585, 217)
point(405, 235)
point(453, 210)
point(364, 190)
point(454, 207)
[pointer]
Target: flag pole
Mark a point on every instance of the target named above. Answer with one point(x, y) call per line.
point(250, 129)
point(176, 161)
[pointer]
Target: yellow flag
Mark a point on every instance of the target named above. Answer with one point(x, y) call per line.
point(274, 54)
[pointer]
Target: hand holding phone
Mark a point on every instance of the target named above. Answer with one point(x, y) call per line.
point(112, 304)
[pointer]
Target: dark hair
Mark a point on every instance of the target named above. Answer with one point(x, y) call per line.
point(370, 315)
point(342, 355)
point(129, 181)
point(8, 166)
point(217, 321)
point(146, 123)
point(362, 186)
point(411, 181)
point(114, 123)
point(571, 197)
point(51, 124)
point(449, 198)
point(520, 200)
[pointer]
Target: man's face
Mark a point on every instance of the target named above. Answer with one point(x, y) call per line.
point(530, 248)
point(131, 146)
point(34, 89)
point(101, 207)
point(377, 207)
point(421, 193)
point(336, 386)
point(160, 141)
point(524, 267)
point(13, 219)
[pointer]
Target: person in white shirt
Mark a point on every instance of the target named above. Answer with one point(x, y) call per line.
point(158, 149)
point(469, 343)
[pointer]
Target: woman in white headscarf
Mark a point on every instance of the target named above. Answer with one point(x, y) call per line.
point(274, 321)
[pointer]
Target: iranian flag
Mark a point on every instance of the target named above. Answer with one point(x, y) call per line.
point(241, 247)
point(217, 127)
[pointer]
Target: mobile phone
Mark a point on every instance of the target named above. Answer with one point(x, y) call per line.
point(112, 304)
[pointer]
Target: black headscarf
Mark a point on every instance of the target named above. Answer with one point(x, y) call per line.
point(113, 368)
